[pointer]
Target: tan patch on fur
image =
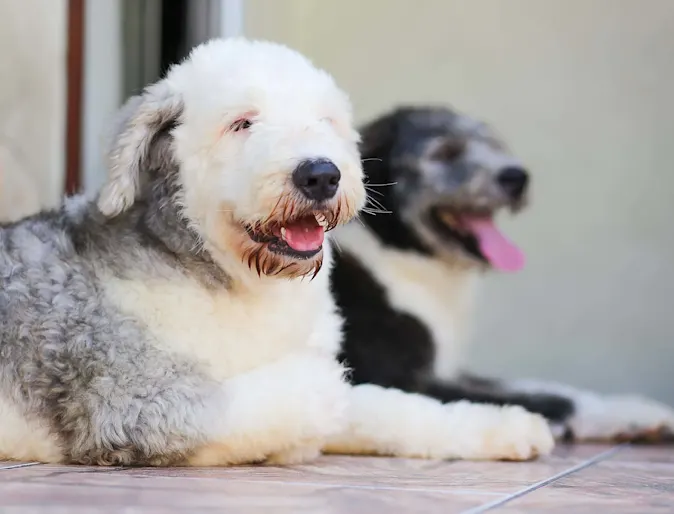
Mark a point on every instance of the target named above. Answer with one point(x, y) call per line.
point(231, 454)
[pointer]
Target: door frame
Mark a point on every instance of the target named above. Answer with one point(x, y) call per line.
point(99, 65)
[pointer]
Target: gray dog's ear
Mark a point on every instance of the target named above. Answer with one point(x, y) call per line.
point(134, 131)
point(378, 136)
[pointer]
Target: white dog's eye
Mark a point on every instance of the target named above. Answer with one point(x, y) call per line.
point(241, 124)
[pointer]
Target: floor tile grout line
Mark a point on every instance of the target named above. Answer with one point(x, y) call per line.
point(20, 465)
point(538, 485)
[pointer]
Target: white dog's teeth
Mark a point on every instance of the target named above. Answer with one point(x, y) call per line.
point(283, 233)
point(321, 220)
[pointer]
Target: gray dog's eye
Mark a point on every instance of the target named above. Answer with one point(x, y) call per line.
point(448, 150)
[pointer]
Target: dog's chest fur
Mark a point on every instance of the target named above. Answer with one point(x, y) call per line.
point(437, 296)
point(230, 332)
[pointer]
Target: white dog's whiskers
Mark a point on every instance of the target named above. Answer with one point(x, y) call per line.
point(374, 206)
point(370, 188)
point(373, 191)
point(376, 203)
point(388, 184)
point(374, 212)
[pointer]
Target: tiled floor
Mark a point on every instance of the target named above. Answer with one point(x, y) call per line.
point(576, 480)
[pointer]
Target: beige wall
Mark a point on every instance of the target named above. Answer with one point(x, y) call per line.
point(583, 91)
point(32, 94)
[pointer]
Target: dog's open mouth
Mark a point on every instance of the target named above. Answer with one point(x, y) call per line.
point(300, 238)
point(479, 236)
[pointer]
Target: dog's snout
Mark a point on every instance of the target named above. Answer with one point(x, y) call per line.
point(514, 181)
point(318, 179)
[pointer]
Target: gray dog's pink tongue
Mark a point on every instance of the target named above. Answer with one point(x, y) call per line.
point(499, 251)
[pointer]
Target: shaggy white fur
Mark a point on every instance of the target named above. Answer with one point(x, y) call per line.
point(391, 422)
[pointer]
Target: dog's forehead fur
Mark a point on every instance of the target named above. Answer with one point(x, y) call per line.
point(235, 76)
point(421, 125)
point(434, 119)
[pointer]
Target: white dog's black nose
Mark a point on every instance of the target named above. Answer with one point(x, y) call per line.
point(514, 181)
point(318, 179)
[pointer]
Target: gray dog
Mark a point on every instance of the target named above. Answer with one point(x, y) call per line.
point(405, 281)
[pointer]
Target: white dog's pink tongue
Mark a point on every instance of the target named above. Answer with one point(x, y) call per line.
point(498, 250)
point(304, 235)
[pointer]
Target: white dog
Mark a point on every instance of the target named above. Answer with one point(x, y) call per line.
point(185, 317)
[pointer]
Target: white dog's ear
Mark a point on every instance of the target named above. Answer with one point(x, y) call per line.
point(135, 129)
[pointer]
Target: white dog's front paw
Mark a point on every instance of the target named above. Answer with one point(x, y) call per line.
point(302, 397)
point(490, 432)
point(621, 418)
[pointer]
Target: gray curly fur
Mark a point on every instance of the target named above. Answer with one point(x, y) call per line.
point(73, 361)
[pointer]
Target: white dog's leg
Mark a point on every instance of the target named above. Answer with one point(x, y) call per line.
point(281, 413)
point(599, 417)
point(391, 422)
